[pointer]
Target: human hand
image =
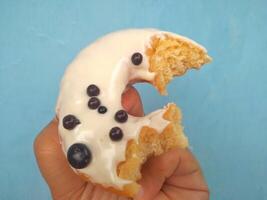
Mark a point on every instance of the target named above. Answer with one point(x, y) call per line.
point(175, 175)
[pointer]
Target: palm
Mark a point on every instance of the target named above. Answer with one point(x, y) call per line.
point(173, 175)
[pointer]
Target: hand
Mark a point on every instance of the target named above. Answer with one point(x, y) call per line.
point(175, 175)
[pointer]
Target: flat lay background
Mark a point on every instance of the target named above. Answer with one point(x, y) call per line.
point(224, 105)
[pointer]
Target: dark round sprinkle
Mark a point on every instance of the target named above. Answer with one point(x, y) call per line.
point(121, 116)
point(115, 134)
point(137, 58)
point(93, 103)
point(70, 122)
point(79, 156)
point(102, 109)
point(93, 90)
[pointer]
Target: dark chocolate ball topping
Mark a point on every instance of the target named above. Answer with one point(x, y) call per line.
point(94, 103)
point(121, 116)
point(115, 134)
point(93, 90)
point(79, 156)
point(102, 109)
point(70, 122)
point(137, 58)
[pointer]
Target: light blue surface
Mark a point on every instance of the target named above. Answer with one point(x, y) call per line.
point(224, 104)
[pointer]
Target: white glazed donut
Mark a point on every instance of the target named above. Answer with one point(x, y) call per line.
point(94, 129)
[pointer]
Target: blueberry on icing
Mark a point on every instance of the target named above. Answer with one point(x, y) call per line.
point(79, 156)
point(115, 134)
point(93, 90)
point(121, 116)
point(102, 109)
point(70, 122)
point(94, 103)
point(137, 58)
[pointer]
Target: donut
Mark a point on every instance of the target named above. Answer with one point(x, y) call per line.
point(101, 141)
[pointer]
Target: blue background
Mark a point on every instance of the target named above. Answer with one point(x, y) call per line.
point(224, 104)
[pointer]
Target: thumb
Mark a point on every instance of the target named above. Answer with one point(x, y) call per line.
point(173, 175)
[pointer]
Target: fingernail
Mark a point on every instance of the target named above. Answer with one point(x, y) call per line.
point(140, 194)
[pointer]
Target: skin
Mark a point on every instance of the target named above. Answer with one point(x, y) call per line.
point(175, 175)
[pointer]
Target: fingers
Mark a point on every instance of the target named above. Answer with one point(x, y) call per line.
point(187, 181)
point(188, 174)
point(173, 192)
point(154, 173)
point(53, 164)
point(100, 194)
point(173, 175)
point(131, 102)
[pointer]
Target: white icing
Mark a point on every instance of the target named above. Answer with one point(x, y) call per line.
point(107, 64)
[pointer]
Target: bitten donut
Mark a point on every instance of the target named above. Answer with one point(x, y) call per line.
point(102, 142)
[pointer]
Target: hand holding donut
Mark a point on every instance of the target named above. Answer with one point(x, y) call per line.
point(175, 175)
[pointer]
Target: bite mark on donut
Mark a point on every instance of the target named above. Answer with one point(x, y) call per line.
point(152, 143)
point(172, 56)
point(168, 56)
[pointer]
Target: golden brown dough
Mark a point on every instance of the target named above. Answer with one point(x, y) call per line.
point(168, 57)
